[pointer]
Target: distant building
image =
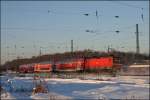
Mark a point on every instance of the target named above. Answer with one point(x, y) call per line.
point(136, 69)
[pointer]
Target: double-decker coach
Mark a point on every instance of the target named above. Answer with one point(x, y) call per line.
point(42, 67)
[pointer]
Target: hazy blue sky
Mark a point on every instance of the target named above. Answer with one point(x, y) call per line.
point(28, 25)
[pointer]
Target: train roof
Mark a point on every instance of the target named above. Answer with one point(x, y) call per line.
point(139, 65)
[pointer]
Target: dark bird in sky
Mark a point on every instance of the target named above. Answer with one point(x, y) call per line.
point(15, 46)
point(90, 31)
point(142, 16)
point(96, 13)
point(117, 31)
point(116, 16)
point(86, 14)
point(87, 30)
point(48, 11)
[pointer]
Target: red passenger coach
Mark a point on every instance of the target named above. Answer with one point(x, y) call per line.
point(27, 68)
point(72, 65)
point(67, 66)
point(43, 67)
point(23, 69)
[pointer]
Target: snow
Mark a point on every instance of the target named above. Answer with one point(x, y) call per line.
point(49, 96)
point(115, 92)
point(65, 81)
point(121, 87)
point(6, 96)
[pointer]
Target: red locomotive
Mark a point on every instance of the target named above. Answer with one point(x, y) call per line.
point(96, 63)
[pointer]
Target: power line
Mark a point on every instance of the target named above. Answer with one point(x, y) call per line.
point(81, 13)
point(122, 29)
point(129, 5)
point(127, 27)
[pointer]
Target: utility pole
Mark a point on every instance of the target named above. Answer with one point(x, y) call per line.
point(137, 40)
point(108, 50)
point(71, 45)
point(40, 51)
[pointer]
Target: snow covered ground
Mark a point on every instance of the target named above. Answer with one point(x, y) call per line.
point(121, 87)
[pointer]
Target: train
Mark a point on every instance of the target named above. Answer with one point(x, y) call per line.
point(26, 68)
point(80, 64)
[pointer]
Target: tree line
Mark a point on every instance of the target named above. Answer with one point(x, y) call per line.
point(126, 58)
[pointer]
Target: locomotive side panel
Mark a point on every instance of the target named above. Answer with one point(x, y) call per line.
point(99, 63)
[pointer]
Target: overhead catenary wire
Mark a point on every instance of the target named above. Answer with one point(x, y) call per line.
point(129, 27)
point(96, 13)
point(133, 6)
point(122, 28)
point(127, 5)
point(84, 13)
point(121, 3)
point(49, 11)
